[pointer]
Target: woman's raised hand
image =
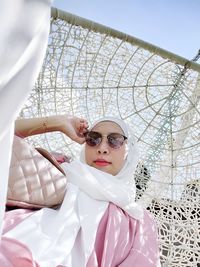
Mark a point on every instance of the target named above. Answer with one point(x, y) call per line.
point(73, 127)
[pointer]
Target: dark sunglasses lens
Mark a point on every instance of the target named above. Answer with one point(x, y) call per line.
point(93, 138)
point(115, 140)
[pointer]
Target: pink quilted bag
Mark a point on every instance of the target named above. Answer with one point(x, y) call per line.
point(34, 180)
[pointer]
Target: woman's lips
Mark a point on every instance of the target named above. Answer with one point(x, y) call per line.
point(102, 163)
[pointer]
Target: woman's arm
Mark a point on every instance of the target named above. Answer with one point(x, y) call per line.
point(73, 127)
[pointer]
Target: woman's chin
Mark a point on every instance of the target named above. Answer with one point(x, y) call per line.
point(103, 168)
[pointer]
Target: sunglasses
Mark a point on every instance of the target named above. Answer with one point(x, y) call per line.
point(115, 140)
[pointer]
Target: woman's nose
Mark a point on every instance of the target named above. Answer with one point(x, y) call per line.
point(103, 147)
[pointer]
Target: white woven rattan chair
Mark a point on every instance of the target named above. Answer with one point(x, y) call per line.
point(91, 71)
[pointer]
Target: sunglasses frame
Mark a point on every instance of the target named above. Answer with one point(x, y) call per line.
point(113, 146)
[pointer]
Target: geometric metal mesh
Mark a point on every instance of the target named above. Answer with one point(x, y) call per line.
point(91, 71)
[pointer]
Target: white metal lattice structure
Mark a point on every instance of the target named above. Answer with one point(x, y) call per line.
point(91, 71)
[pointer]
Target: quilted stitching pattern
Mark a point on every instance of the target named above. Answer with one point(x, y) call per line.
point(33, 180)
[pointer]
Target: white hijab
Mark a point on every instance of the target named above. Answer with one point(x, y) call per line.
point(69, 238)
point(121, 186)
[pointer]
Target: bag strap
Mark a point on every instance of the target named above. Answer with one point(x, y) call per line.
point(50, 157)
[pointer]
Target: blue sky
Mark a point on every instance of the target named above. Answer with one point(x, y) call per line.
point(173, 25)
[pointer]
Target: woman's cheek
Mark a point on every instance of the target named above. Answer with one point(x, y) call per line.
point(89, 157)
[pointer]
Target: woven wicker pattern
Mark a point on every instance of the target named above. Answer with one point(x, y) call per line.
point(92, 71)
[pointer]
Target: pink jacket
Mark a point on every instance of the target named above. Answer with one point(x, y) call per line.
point(120, 241)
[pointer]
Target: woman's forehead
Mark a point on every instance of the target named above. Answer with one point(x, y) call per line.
point(107, 127)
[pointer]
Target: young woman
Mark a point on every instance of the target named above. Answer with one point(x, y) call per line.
point(99, 224)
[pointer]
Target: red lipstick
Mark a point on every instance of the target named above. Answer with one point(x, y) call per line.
point(102, 162)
